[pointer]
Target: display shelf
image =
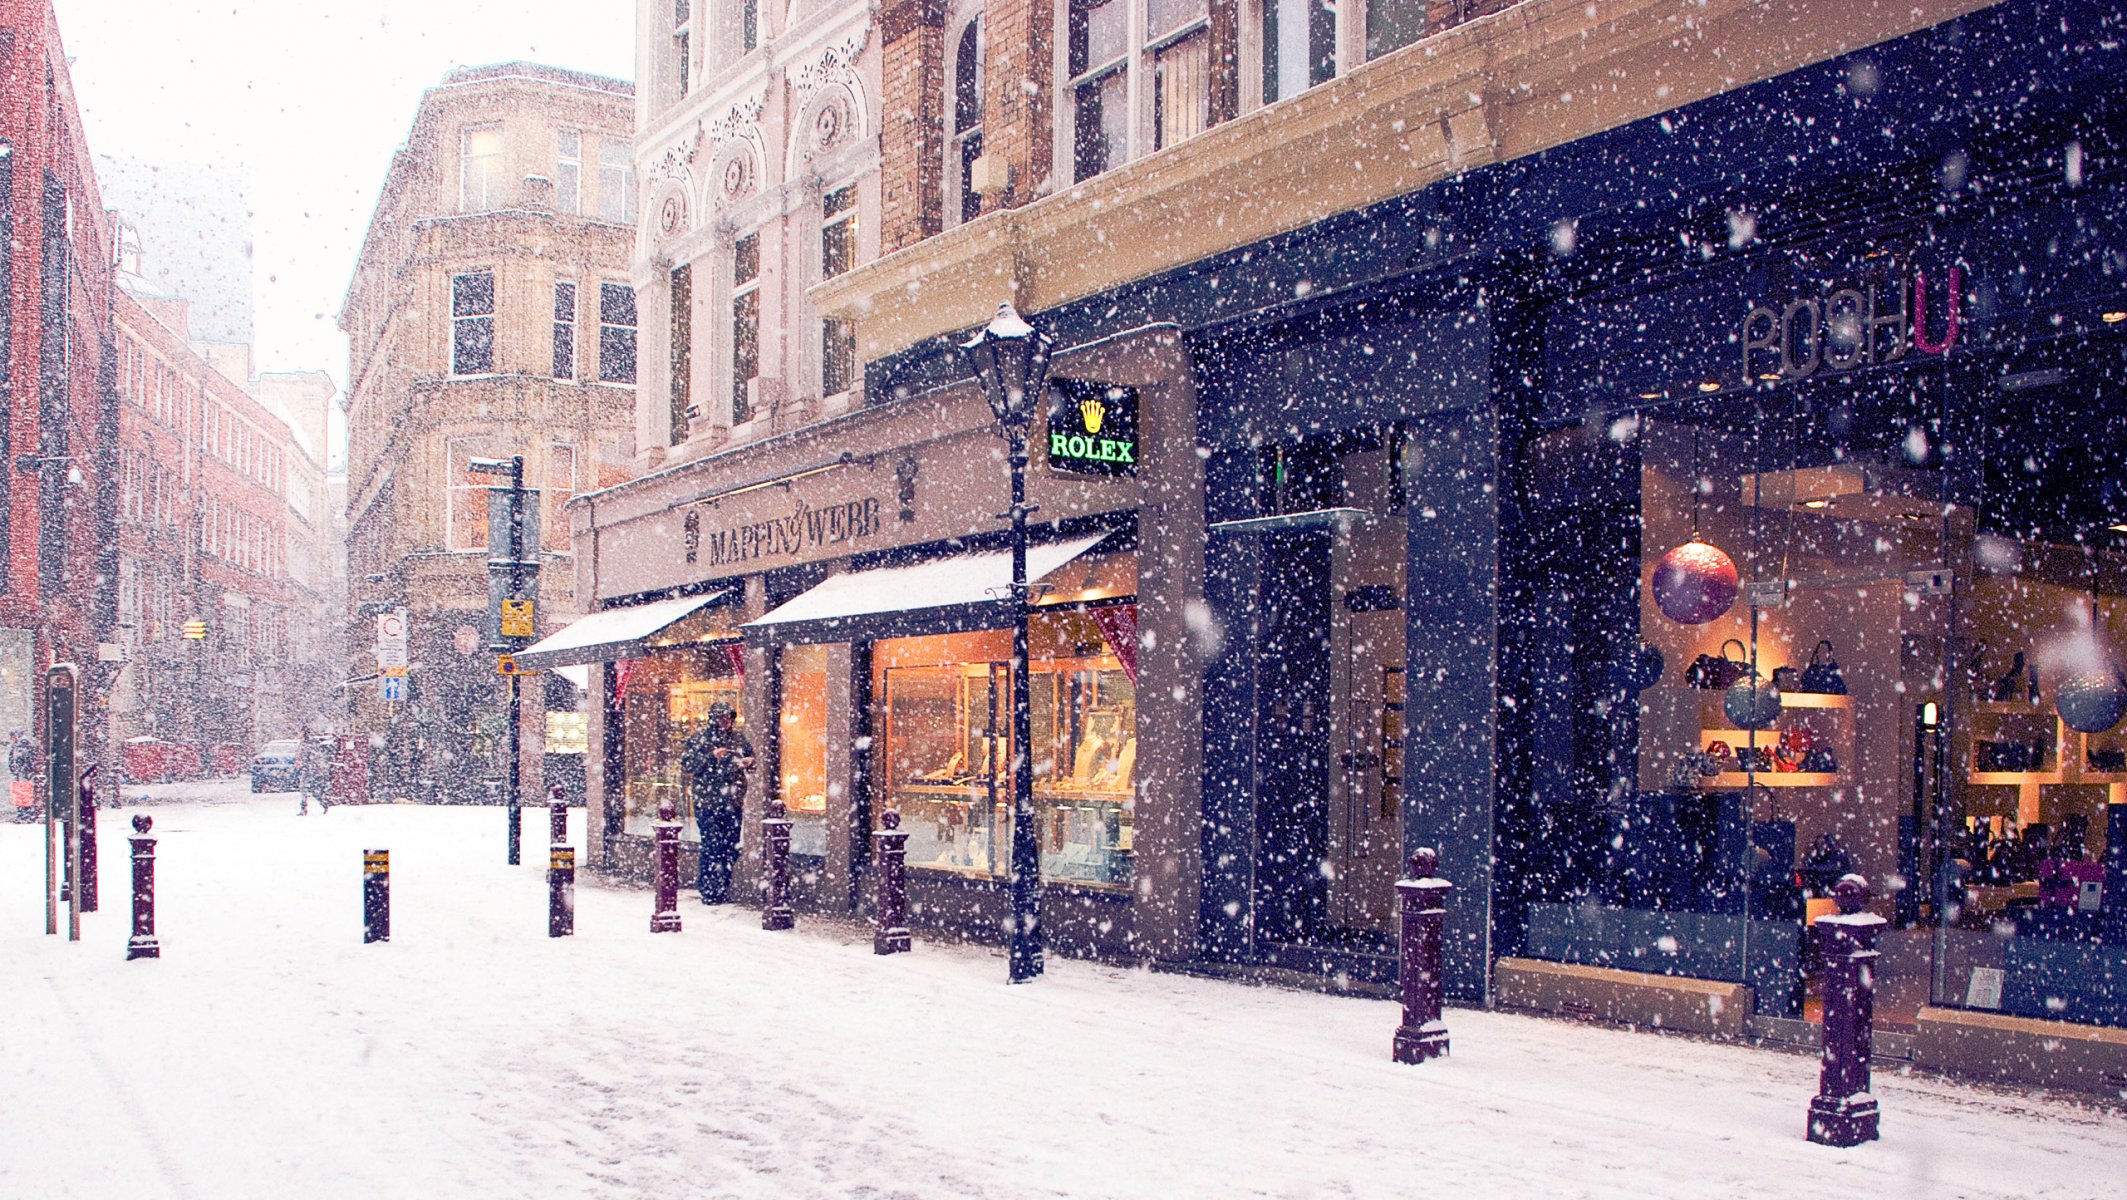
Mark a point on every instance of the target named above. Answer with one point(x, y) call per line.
point(2009, 708)
point(2012, 778)
point(1815, 700)
point(1776, 779)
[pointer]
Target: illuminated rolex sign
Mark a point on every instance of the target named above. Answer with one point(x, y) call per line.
point(1092, 428)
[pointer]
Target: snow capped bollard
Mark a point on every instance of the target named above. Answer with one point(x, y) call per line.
point(143, 944)
point(891, 849)
point(1844, 1113)
point(775, 852)
point(88, 840)
point(1425, 909)
point(376, 896)
point(558, 805)
point(561, 891)
point(665, 919)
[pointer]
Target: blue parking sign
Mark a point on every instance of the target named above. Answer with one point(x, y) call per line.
point(391, 688)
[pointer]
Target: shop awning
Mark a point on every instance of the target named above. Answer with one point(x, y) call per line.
point(945, 595)
point(615, 633)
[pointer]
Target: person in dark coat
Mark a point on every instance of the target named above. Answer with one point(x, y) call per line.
point(313, 775)
point(714, 763)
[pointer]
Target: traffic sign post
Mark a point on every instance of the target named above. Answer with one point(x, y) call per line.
point(513, 580)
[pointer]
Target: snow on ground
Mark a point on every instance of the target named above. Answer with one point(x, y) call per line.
point(271, 1054)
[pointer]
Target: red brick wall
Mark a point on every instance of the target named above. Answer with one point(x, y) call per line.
point(911, 137)
point(1017, 95)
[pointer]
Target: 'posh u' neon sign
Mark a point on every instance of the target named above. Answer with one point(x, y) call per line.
point(1849, 328)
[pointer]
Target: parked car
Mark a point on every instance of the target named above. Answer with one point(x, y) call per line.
point(273, 769)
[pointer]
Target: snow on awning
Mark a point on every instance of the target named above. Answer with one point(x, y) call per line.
point(615, 633)
point(944, 595)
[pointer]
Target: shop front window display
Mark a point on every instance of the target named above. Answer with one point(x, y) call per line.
point(665, 699)
point(946, 712)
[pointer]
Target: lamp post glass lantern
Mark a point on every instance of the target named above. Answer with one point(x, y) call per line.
point(1010, 360)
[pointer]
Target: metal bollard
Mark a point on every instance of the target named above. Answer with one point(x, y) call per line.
point(1843, 1112)
point(775, 852)
point(376, 896)
point(666, 918)
point(143, 944)
point(558, 804)
point(1424, 895)
point(561, 891)
point(890, 845)
point(88, 841)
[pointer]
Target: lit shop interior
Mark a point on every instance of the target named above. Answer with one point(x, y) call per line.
point(1869, 624)
point(935, 729)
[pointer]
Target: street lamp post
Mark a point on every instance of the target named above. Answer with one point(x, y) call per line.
point(512, 570)
point(1010, 359)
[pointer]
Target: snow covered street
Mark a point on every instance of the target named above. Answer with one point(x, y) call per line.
point(270, 1053)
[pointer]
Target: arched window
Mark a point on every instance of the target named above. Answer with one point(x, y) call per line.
point(964, 145)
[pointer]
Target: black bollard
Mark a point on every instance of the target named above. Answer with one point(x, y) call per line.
point(1843, 1112)
point(664, 917)
point(143, 944)
point(891, 935)
point(561, 892)
point(376, 896)
point(1422, 1035)
point(775, 849)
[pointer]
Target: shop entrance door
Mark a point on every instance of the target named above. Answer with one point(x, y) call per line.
point(1293, 738)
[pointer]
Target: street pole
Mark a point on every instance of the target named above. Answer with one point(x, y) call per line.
point(1026, 958)
point(511, 569)
point(516, 576)
point(1010, 361)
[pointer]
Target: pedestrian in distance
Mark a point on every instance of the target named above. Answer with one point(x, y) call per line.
point(22, 775)
point(313, 777)
point(714, 763)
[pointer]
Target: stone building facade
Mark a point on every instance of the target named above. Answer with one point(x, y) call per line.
point(491, 314)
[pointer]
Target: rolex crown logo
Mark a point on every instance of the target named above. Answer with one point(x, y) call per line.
point(1092, 412)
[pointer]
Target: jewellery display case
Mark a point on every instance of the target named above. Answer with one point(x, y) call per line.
point(948, 757)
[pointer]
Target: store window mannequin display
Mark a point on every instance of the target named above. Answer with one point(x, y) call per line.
point(715, 762)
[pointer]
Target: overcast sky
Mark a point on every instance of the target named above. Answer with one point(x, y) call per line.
point(309, 99)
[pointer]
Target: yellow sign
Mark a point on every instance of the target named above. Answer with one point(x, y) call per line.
point(392, 672)
point(517, 618)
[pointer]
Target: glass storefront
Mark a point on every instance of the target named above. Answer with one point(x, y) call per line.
point(1867, 624)
point(665, 699)
point(944, 720)
point(803, 748)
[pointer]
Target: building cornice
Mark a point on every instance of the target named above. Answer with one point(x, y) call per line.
point(1527, 79)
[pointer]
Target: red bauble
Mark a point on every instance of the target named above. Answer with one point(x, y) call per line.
point(1695, 583)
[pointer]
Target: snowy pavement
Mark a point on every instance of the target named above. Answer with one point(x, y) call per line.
point(270, 1054)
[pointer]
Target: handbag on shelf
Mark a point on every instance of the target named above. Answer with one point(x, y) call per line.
point(1717, 673)
point(1788, 679)
point(1820, 760)
point(1793, 748)
point(1822, 675)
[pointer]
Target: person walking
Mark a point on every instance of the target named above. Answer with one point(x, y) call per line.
point(715, 762)
point(313, 776)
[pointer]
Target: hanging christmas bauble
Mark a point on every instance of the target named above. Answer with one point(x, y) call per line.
point(1695, 583)
point(2093, 701)
point(1752, 703)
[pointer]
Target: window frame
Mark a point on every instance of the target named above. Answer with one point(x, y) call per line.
point(745, 292)
point(839, 227)
point(682, 48)
point(609, 332)
point(564, 330)
point(616, 180)
point(960, 141)
point(568, 198)
point(466, 159)
point(471, 320)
